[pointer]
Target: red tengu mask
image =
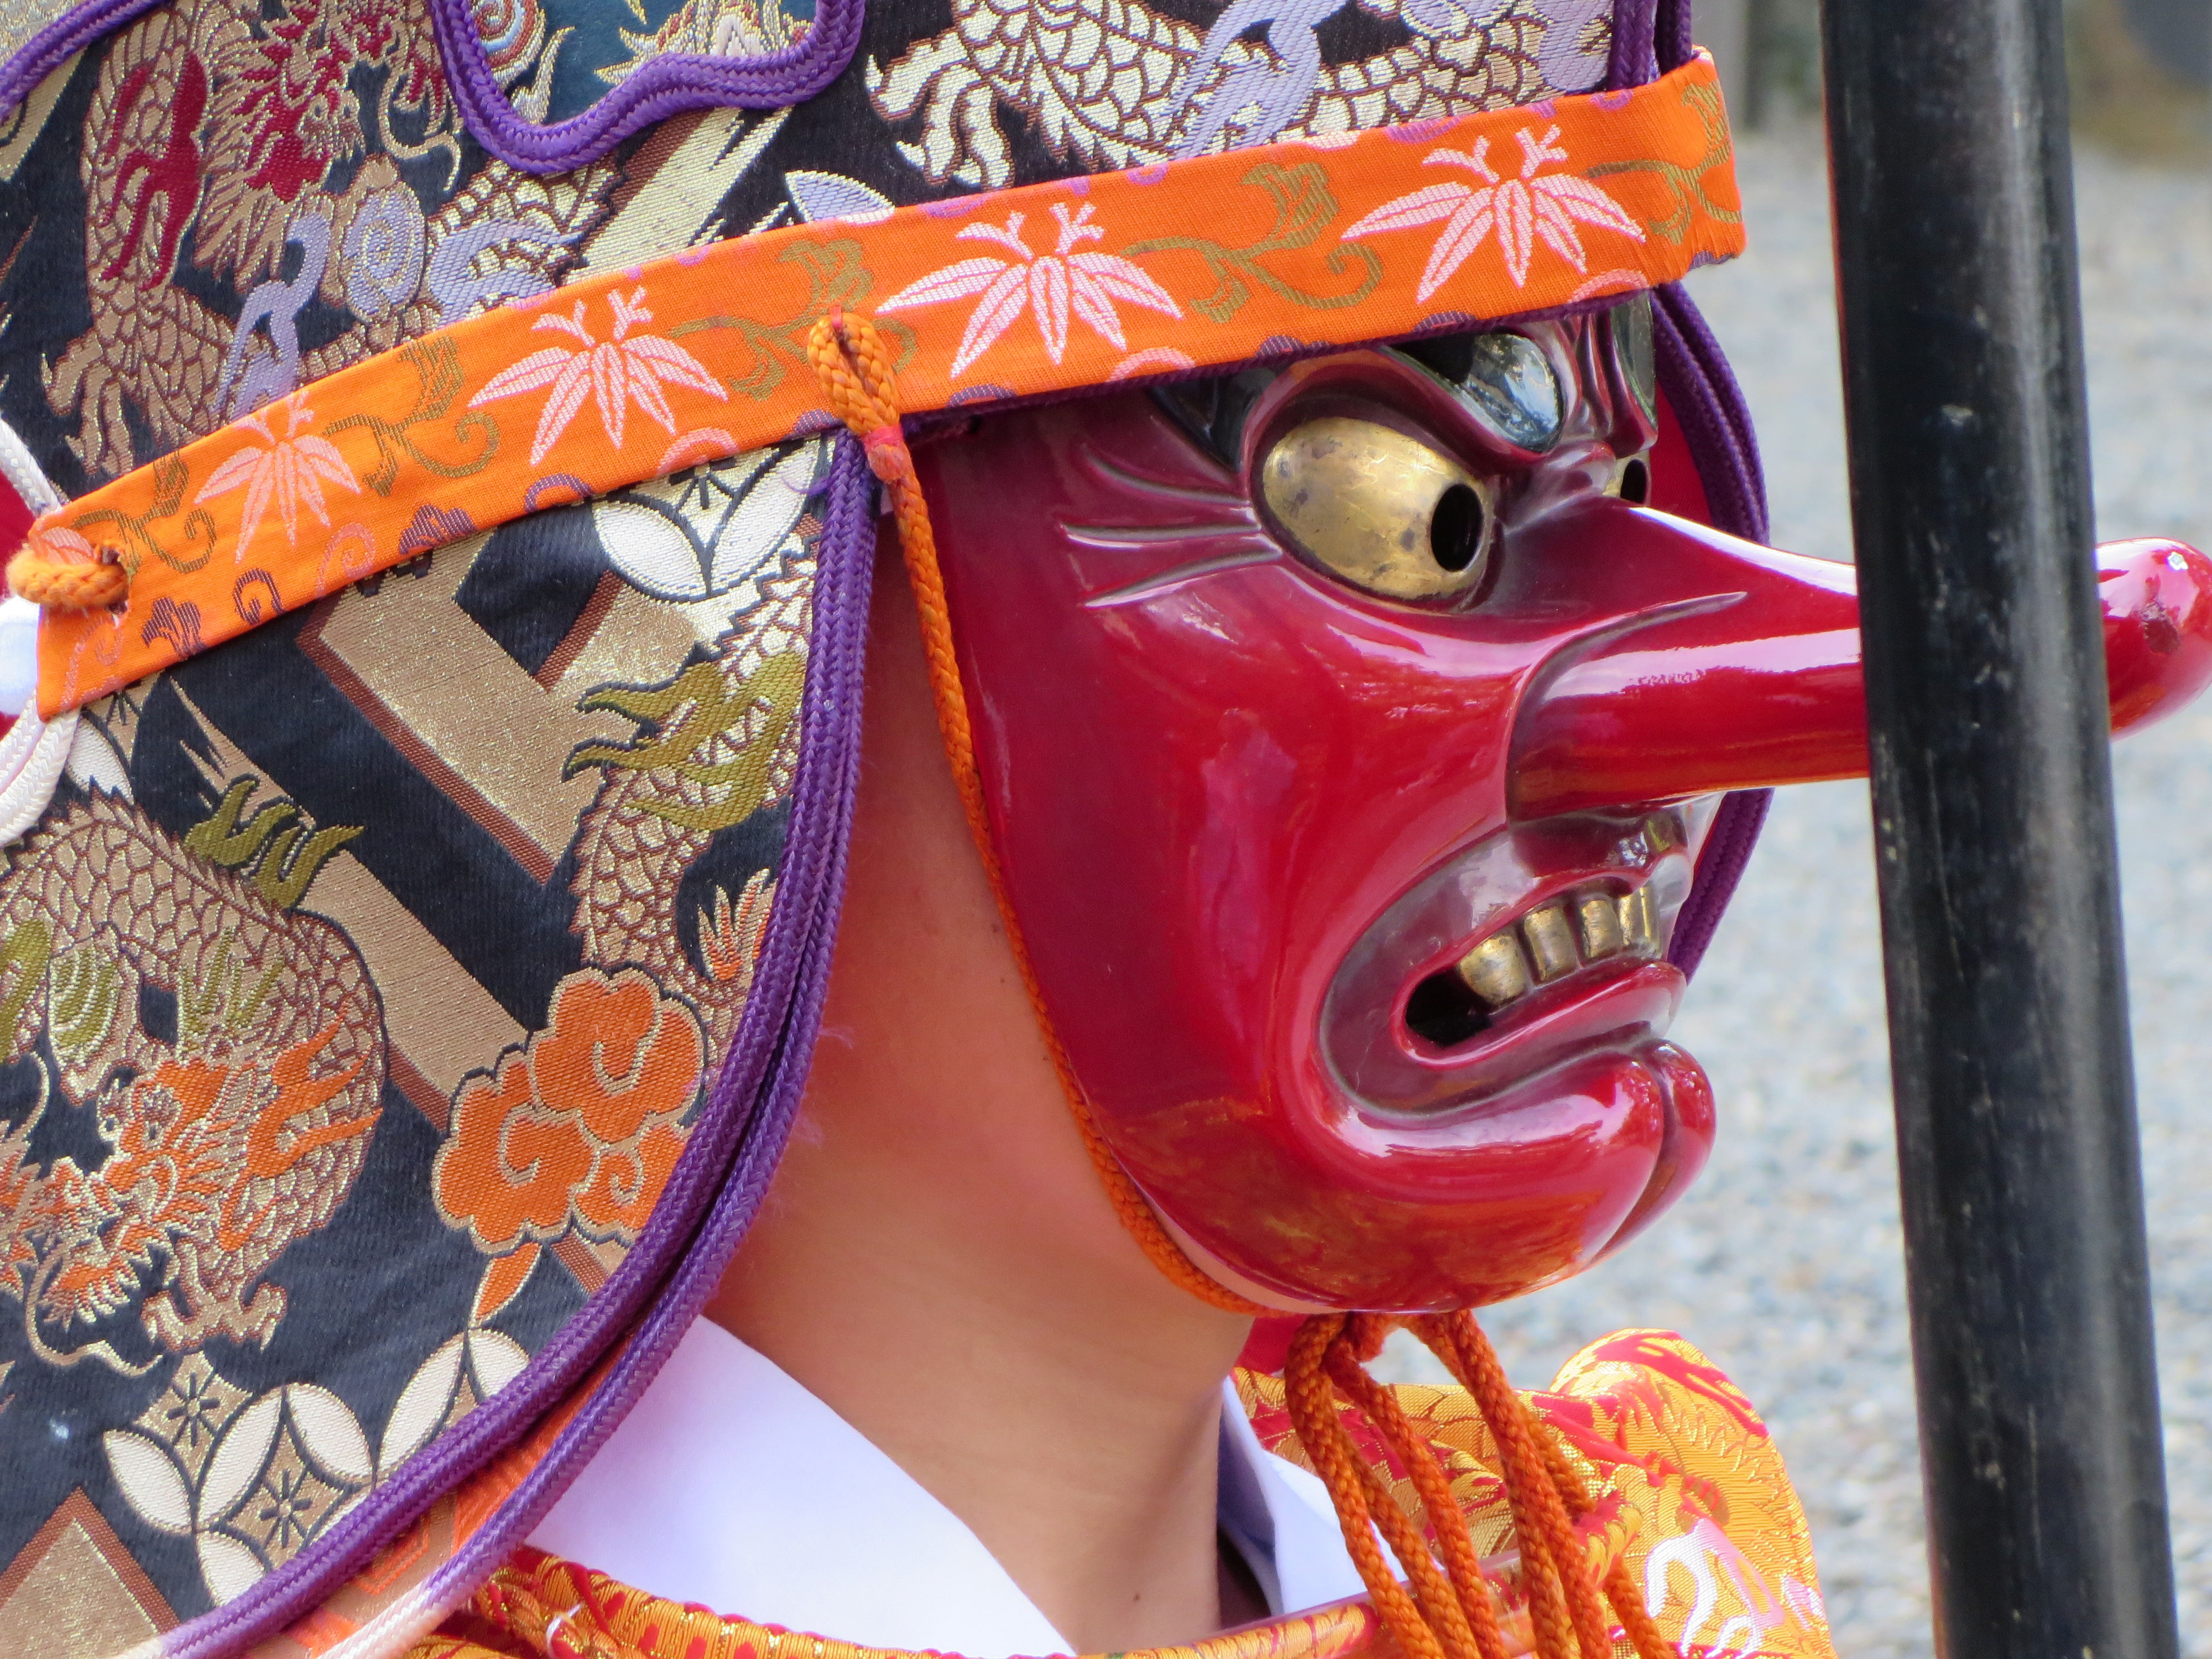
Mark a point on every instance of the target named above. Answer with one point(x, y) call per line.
point(1350, 734)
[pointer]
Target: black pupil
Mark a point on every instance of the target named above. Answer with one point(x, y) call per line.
point(1455, 528)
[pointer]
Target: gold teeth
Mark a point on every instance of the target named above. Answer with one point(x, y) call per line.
point(1495, 969)
point(1554, 939)
point(1597, 915)
point(1639, 922)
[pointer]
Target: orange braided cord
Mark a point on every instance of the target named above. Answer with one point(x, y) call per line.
point(1433, 1597)
point(1546, 1612)
point(1446, 1522)
point(1618, 1583)
point(63, 584)
point(854, 367)
point(1556, 1561)
point(1459, 1611)
point(1312, 1407)
point(1627, 1602)
point(1439, 1603)
point(1520, 1445)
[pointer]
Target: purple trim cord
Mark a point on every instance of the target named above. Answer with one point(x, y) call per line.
point(1670, 35)
point(1633, 63)
point(1720, 866)
point(668, 85)
point(722, 1174)
point(1703, 393)
point(59, 41)
point(1699, 388)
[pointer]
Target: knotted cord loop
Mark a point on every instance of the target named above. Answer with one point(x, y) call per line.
point(69, 584)
point(854, 367)
point(1470, 1605)
point(1328, 1446)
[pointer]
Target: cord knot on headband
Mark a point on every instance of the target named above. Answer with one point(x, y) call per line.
point(59, 570)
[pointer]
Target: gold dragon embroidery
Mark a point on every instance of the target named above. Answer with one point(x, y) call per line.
point(1115, 83)
point(229, 1050)
point(717, 742)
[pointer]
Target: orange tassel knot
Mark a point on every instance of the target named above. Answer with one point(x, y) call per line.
point(59, 570)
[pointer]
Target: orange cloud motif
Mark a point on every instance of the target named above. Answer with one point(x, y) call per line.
point(578, 1129)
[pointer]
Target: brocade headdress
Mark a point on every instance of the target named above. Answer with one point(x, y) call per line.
point(424, 843)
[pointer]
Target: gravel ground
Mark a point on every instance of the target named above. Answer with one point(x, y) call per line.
point(1785, 1262)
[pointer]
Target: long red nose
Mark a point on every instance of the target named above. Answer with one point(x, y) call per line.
point(1752, 678)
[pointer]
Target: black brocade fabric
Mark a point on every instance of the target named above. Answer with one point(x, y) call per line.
point(360, 882)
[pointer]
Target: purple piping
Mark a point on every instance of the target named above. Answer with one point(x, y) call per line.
point(1704, 397)
point(1701, 390)
point(668, 85)
point(1650, 37)
point(1670, 34)
point(1720, 866)
point(723, 1171)
point(60, 40)
point(1632, 65)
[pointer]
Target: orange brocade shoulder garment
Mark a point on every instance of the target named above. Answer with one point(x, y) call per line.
point(1686, 1482)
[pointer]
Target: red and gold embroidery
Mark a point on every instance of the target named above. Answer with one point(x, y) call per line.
point(1687, 1485)
point(237, 1128)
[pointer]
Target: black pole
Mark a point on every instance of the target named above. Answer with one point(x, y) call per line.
point(1993, 825)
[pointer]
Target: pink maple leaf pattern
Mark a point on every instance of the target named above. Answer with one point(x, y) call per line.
point(281, 472)
point(1048, 286)
point(624, 368)
point(1535, 206)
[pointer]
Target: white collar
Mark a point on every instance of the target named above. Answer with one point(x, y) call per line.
point(730, 1486)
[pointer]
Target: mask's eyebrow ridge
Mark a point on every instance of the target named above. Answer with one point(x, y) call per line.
point(1183, 573)
point(1140, 484)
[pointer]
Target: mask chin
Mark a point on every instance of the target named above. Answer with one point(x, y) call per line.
point(1493, 1034)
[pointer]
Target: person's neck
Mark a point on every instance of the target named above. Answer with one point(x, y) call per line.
point(1078, 1442)
point(938, 1261)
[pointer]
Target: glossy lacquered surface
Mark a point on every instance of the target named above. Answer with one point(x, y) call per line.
point(1247, 810)
point(1691, 704)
